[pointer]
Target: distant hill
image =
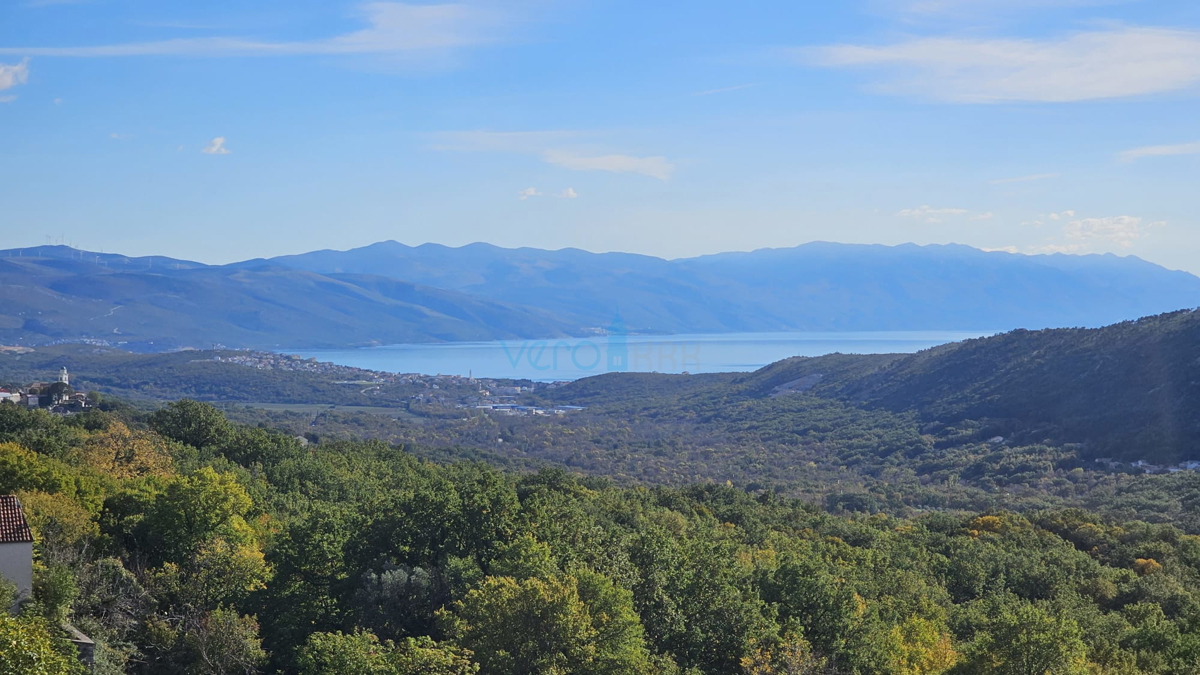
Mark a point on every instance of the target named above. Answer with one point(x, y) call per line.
point(818, 286)
point(1126, 390)
point(391, 293)
point(169, 304)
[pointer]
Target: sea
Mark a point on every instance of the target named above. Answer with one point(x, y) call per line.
point(575, 358)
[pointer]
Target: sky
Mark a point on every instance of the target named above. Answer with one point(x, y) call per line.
point(219, 131)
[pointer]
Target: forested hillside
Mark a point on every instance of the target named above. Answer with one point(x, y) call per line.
point(1130, 390)
point(1015, 421)
point(183, 543)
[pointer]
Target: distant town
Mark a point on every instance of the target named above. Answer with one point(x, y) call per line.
point(57, 397)
point(491, 395)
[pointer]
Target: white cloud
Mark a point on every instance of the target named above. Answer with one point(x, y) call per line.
point(655, 167)
point(569, 193)
point(1071, 249)
point(973, 7)
point(529, 192)
point(1160, 151)
point(11, 76)
point(216, 147)
point(930, 214)
point(1023, 179)
point(983, 216)
point(7, 99)
point(1042, 218)
point(393, 28)
point(560, 148)
point(1120, 230)
point(58, 101)
point(1083, 66)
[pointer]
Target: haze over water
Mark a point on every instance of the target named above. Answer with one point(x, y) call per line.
point(574, 358)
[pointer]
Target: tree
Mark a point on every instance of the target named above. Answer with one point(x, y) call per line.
point(62, 527)
point(195, 509)
point(919, 647)
point(553, 626)
point(362, 653)
point(197, 424)
point(423, 656)
point(221, 642)
point(1027, 639)
point(122, 453)
point(219, 572)
point(359, 652)
point(791, 655)
point(27, 647)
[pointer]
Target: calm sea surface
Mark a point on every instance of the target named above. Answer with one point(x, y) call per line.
point(573, 358)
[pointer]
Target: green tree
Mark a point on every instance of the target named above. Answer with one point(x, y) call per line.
point(195, 509)
point(556, 626)
point(362, 653)
point(27, 647)
point(197, 424)
point(1028, 639)
point(222, 642)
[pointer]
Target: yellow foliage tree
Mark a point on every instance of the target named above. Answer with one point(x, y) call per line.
point(1144, 566)
point(919, 647)
point(124, 453)
point(59, 522)
point(792, 655)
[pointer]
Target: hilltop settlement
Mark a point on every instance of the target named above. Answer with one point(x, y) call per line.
point(56, 397)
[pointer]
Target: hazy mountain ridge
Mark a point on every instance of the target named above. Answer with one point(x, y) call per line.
point(390, 293)
point(817, 286)
point(43, 300)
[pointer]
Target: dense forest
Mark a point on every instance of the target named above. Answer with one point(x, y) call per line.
point(182, 542)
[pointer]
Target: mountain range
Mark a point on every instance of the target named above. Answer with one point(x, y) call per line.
point(390, 293)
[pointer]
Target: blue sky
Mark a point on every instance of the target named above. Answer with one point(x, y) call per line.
point(219, 131)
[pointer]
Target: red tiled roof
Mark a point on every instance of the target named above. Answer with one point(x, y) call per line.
point(13, 528)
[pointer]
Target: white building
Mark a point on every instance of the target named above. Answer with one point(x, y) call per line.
point(16, 548)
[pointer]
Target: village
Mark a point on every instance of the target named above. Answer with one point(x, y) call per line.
point(58, 398)
point(502, 397)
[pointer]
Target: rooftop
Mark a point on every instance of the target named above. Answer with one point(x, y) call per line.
point(13, 528)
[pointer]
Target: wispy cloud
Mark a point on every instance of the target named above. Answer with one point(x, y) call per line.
point(528, 193)
point(1160, 151)
point(393, 28)
point(12, 75)
point(216, 147)
point(1023, 179)
point(122, 137)
point(1088, 235)
point(1042, 218)
point(569, 193)
point(722, 90)
point(655, 167)
point(1080, 67)
point(8, 99)
point(975, 7)
point(1119, 230)
point(565, 149)
point(930, 214)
